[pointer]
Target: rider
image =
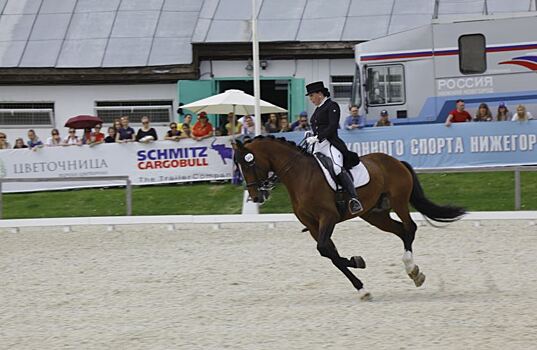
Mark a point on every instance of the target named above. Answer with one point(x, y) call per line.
point(324, 123)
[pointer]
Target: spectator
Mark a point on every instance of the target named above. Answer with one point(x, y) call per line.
point(19, 143)
point(503, 113)
point(33, 141)
point(248, 128)
point(302, 124)
point(222, 122)
point(3, 141)
point(186, 120)
point(125, 133)
point(187, 132)
point(233, 129)
point(72, 139)
point(174, 134)
point(117, 124)
point(97, 134)
point(284, 125)
point(203, 128)
point(384, 119)
point(54, 139)
point(521, 114)
point(146, 133)
point(272, 124)
point(296, 123)
point(483, 113)
point(458, 115)
point(111, 138)
point(86, 136)
point(354, 121)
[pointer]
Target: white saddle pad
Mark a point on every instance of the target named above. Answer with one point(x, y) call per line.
point(359, 174)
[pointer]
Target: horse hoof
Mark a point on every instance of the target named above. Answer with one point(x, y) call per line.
point(358, 262)
point(365, 295)
point(418, 281)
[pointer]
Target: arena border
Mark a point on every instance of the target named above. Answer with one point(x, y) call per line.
point(217, 220)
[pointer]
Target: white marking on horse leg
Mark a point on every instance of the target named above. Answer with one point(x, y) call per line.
point(364, 295)
point(408, 260)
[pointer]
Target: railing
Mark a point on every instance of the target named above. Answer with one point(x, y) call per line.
point(515, 169)
point(128, 187)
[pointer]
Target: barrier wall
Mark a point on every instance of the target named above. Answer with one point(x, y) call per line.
point(423, 146)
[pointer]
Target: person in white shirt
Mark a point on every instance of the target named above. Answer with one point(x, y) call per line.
point(521, 114)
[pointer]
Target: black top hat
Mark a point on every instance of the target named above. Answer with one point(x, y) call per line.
point(316, 87)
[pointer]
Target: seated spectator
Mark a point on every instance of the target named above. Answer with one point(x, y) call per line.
point(296, 123)
point(117, 124)
point(174, 134)
point(458, 115)
point(233, 129)
point(111, 138)
point(302, 124)
point(222, 121)
point(19, 143)
point(248, 128)
point(483, 114)
point(97, 134)
point(503, 113)
point(284, 125)
point(354, 120)
point(203, 128)
point(125, 133)
point(33, 141)
point(3, 141)
point(54, 139)
point(384, 119)
point(272, 124)
point(146, 133)
point(521, 114)
point(72, 139)
point(186, 120)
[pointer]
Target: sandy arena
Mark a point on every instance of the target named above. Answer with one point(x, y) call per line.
point(247, 286)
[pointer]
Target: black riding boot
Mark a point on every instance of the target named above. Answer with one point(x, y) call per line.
point(346, 182)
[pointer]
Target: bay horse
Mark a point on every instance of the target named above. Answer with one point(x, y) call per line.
point(393, 185)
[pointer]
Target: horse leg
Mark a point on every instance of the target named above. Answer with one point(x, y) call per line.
point(327, 249)
point(405, 231)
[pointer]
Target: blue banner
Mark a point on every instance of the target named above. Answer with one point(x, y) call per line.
point(461, 145)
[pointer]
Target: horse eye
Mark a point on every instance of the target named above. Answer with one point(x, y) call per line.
point(249, 157)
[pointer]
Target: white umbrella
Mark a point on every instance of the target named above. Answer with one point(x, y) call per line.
point(235, 101)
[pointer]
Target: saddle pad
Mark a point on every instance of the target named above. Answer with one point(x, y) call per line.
point(359, 174)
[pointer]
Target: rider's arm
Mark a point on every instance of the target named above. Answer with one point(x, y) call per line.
point(333, 122)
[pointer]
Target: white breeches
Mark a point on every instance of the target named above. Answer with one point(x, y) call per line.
point(330, 151)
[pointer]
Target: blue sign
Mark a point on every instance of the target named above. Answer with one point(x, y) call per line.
point(461, 145)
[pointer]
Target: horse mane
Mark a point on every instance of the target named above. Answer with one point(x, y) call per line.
point(281, 140)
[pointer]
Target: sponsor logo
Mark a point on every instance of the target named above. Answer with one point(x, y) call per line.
point(223, 151)
point(165, 158)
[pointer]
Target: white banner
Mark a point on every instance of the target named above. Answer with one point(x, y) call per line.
point(145, 164)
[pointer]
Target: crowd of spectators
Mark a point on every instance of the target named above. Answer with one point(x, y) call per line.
point(122, 132)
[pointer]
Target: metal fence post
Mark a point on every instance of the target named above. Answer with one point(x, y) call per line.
point(129, 197)
point(517, 188)
point(1, 203)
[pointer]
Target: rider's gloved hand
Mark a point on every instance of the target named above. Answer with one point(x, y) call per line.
point(312, 139)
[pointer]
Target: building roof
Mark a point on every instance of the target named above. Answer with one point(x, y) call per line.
point(145, 33)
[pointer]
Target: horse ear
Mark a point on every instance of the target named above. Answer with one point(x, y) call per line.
point(236, 144)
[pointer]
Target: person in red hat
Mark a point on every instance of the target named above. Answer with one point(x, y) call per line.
point(325, 139)
point(203, 128)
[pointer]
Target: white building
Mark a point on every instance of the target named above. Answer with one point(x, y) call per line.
point(60, 58)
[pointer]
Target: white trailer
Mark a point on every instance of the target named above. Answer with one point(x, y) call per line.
point(417, 75)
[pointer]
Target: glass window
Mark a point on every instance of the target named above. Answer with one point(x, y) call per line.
point(157, 111)
point(385, 85)
point(341, 87)
point(26, 113)
point(356, 97)
point(472, 54)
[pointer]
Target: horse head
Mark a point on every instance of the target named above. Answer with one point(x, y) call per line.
point(255, 169)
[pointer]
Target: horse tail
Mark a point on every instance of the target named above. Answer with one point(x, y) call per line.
point(431, 210)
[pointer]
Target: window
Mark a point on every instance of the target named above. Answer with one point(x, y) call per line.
point(26, 113)
point(472, 54)
point(357, 88)
point(157, 111)
point(341, 87)
point(385, 85)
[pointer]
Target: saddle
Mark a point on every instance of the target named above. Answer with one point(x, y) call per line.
point(359, 173)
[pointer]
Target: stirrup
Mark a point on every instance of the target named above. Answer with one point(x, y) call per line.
point(355, 206)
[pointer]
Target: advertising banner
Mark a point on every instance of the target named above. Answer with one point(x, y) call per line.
point(145, 164)
point(424, 146)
